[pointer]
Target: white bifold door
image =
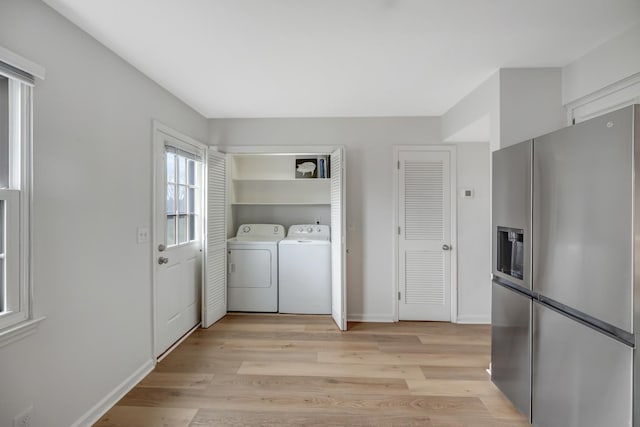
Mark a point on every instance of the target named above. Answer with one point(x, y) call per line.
point(424, 235)
point(214, 299)
point(338, 241)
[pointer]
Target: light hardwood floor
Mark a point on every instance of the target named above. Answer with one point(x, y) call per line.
point(282, 370)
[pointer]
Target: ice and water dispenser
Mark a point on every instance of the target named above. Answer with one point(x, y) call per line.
point(510, 252)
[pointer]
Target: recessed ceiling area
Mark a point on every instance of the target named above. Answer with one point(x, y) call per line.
point(337, 58)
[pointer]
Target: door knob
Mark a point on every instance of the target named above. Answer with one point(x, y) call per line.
point(446, 247)
point(163, 260)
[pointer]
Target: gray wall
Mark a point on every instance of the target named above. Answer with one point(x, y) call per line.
point(483, 100)
point(611, 62)
point(369, 151)
point(474, 233)
point(521, 103)
point(369, 156)
point(530, 103)
point(284, 215)
point(92, 176)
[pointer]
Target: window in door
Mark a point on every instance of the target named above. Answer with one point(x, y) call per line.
point(183, 196)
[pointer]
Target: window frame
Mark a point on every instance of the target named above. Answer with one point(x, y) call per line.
point(18, 321)
point(12, 292)
point(179, 151)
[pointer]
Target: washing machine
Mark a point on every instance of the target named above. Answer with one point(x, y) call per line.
point(305, 270)
point(252, 268)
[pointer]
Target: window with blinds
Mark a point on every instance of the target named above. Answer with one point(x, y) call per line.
point(15, 183)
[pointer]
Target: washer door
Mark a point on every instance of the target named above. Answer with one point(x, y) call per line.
point(249, 268)
point(304, 276)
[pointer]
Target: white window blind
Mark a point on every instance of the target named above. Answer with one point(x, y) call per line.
point(14, 73)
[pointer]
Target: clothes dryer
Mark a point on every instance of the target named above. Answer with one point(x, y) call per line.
point(305, 270)
point(252, 270)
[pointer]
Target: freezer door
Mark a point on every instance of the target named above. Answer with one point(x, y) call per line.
point(512, 203)
point(582, 217)
point(511, 346)
point(581, 378)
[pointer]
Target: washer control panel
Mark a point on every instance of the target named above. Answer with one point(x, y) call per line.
point(309, 232)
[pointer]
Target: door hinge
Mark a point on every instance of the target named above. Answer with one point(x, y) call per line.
point(399, 231)
point(399, 296)
point(398, 164)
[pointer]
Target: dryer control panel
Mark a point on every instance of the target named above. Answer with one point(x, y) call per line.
point(274, 230)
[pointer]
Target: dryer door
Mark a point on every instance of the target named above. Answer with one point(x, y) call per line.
point(249, 268)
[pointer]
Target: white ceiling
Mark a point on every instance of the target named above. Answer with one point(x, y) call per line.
point(341, 58)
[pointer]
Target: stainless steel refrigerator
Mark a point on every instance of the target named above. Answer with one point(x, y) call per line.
point(511, 290)
point(584, 246)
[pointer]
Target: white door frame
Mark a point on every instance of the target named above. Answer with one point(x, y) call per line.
point(303, 150)
point(454, 223)
point(158, 129)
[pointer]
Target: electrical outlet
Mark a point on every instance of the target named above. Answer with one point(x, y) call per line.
point(24, 418)
point(143, 234)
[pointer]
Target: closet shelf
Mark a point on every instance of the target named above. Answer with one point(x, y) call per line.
point(271, 181)
point(307, 180)
point(281, 203)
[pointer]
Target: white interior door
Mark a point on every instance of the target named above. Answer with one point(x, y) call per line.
point(178, 236)
point(338, 240)
point(424, 235)
point(215, 286)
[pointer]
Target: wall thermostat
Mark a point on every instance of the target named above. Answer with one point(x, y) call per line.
point(466, 193)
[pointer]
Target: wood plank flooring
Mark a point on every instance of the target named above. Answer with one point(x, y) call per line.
point(284, 370)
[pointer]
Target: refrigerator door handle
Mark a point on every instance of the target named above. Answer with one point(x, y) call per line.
point(608, 329)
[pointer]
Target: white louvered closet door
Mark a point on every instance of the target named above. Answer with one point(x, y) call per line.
point(214, 291)
point(424, 220)
point(338, 240)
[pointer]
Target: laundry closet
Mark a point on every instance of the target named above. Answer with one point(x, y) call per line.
point(272, 185)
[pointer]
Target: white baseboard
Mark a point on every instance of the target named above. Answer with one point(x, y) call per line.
point(369, 318)
point(468, 319)
point(177, 343)
point(106, 403)
point(475, 319)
